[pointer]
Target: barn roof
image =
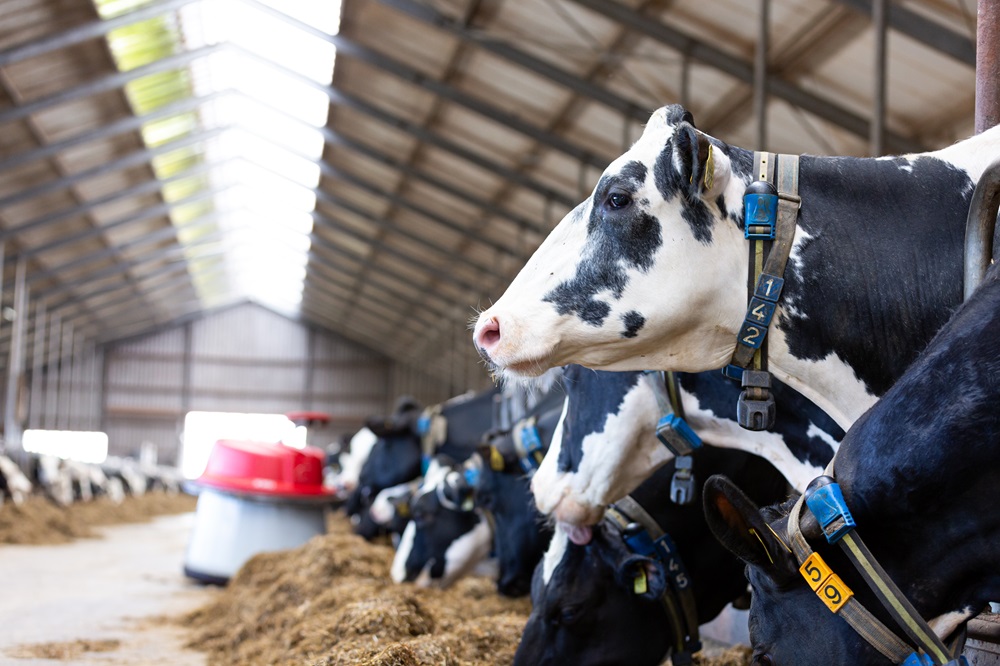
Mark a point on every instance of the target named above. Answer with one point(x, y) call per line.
point(382, 168)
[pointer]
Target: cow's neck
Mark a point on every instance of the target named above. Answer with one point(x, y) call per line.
point(936, 430)
point(875, 271)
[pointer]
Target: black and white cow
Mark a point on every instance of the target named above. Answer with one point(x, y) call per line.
point(443, 540)
point(391, 508)
point(650, 271)
point(14, 484)
point(585, 606)
point(450, 514)
point(606, 445)
point(503, 491)
point(394, 458)
point(918, 471)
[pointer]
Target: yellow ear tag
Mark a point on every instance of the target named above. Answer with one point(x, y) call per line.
point(496, 459)
point(709, 169)
point(403, 510)
point(640, 585)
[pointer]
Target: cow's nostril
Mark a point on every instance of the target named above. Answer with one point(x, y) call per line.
point(488, 335)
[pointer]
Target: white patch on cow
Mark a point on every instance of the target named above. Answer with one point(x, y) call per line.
point(972, 155)
point(815, 431)
point(945, 625)
point(351, 462)
point(829, 383)
point(726, 433)
point(398, 569)
point(614, 462)
point(17, 483)
point(554, 554)
point(467, 551)
point(383, 508)
point(690, 326)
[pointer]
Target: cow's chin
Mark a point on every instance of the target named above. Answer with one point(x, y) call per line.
point(578, 514)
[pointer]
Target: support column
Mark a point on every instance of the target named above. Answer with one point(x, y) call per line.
point(36, 408)
point(15, 366)
point(53, 374)
point(760, 74)
point(880, 23)
point(987, 65)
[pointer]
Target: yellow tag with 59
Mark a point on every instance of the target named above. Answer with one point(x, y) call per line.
point(826, 584)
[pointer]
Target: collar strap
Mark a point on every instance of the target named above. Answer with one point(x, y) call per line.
point(644, 536)
point(528, 444)
point(674, 433)
point(825, 500)
point(771, 207)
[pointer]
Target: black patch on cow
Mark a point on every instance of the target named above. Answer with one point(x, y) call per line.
point(672, 183)
point(633, 322)
point(675, 113)
point(618, 240)
point(594, 396)
point(635, 171)
point(881, 269)
point(796, 413)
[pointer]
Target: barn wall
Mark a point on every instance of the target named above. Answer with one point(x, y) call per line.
point(246, 359)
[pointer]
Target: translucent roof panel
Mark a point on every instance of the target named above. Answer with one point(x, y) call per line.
point(265, 141)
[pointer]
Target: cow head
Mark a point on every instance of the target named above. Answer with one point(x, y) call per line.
point(521, 535)
point(585, 609)
point(647, 273)
point(783, 609)
point(443, 541)
point(604, 447)
point(394, 458)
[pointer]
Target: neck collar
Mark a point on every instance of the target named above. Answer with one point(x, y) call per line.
point(921, 647)
point(644, 536)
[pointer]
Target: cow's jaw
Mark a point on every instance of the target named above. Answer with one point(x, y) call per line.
point(614, 462)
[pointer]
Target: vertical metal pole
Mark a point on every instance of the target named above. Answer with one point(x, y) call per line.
point(35, 409)
point(52, 374)
point(307, 385)
point(760, 74)
point(186, 370)
point(987, 64)
point(15, 367)
point(66, 378)
point(76, 386)
point(876, 138)
point(686, 81)
point(93, 390)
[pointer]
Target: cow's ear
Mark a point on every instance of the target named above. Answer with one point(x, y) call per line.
point(702, 167)
point(643, 576)
point(738, 525)
point(380, 426)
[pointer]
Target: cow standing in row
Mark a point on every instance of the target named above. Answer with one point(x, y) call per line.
point(917, 474)
point(607, 444)
point(587, 608)
point(651, 271)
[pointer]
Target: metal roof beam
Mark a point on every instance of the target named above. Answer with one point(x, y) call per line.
point(328, 223)
point(743, 71)
point(136, 158)
point(505, 50)
point(924, 30)
point(127, 124)
point(167, 233)
point(344, 98)
point(324, 271)
point(402, 202)
point(86, 31)
point(488, 207)
point(106, 83)
point(151, 186)
point(350, 48)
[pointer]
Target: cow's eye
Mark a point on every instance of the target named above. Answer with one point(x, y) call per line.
point(762, 660)
point(618, 200)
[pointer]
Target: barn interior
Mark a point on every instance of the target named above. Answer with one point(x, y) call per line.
point(254, 208)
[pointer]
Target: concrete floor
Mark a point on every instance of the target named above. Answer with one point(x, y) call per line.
point(115, 588)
